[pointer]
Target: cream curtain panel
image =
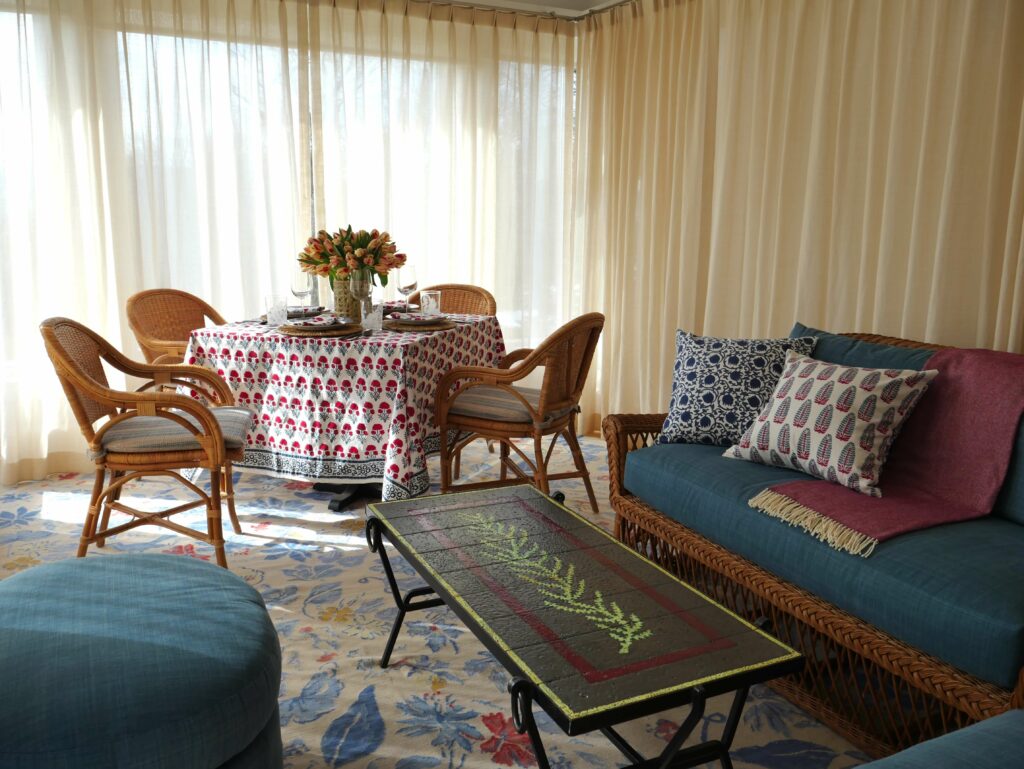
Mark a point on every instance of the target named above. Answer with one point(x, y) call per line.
point(723, 166)
point(142, 144)
point(741, 164)
point(196, 144)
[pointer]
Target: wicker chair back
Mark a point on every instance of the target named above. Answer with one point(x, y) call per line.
point(162, 320)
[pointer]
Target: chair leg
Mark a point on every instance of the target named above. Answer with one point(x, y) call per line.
point(457, 470)
point(446, 475)
point(540, 473)
point(213, 521)
point(89, 527)
point(105, 518)
point(503, 468)
point(229, 496)
point(581, 465)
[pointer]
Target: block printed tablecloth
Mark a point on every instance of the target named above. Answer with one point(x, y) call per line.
point(353, 409)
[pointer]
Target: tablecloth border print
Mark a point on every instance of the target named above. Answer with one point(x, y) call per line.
point(363, 470)
point(535, 679)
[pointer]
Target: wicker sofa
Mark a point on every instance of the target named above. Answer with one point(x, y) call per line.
point(902, 647)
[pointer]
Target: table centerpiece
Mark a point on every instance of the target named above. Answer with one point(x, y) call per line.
point(350, 255)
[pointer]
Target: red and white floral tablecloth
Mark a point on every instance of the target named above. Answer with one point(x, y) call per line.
point(355, 409)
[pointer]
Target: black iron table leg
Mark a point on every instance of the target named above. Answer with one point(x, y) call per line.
point(405, 604)
point(522, 718)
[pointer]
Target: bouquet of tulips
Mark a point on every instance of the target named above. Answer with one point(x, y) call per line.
point(339, 254)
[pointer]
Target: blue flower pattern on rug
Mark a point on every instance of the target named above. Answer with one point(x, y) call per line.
point(442, 704)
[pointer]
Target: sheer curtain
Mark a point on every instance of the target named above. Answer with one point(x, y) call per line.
point(451, 127)
point(143, 144)
point(854, 164)
point(195, 145)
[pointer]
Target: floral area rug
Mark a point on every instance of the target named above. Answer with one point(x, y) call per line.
point(442, 702)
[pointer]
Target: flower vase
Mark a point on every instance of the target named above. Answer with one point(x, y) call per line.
point(344, 303)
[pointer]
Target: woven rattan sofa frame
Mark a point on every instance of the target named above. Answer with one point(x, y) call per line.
point(75, 352)
point(462, 298)
point(877, 691)
point(162, 319)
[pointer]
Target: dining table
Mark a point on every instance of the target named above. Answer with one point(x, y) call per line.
point(357, 409)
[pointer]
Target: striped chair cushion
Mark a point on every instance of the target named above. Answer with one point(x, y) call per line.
point(486, 402)
point(143, 435)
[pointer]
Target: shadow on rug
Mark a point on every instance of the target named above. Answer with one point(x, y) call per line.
point(442, 702)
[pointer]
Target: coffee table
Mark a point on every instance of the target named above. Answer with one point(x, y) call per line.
point(588, 629)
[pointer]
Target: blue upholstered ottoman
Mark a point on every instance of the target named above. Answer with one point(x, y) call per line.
point(994, 742)
point(152, 661)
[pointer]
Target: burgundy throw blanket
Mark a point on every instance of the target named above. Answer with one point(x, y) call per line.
point(947, 464)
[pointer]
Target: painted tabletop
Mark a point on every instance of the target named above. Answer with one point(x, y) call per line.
point(602, 632)
point(355, 409)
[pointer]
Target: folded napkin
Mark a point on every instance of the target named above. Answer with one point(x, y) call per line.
point(415, 317)
point(323, 321)
point(948, 464)
point(303, 312)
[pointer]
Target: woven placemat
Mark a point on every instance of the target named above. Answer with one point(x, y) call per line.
point(397, 325)
point(327, 331)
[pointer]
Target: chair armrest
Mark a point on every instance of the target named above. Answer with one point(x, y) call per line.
point(469, 376)
point(184, 375)
point(514, 357)
point(624, 433)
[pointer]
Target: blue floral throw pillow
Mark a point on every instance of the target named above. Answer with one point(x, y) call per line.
point(720, 385)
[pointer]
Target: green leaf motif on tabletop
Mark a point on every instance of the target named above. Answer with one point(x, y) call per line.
point(556, 580)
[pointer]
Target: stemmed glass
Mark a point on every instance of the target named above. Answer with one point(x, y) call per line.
point(360, 285)
point(407, 282)
point(303, 285)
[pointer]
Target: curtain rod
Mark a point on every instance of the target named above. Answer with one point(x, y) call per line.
point(511, 11)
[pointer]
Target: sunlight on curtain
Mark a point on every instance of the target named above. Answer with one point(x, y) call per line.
point(195, 145)
point(142, 144)
point(449, 127)
point(856, 165)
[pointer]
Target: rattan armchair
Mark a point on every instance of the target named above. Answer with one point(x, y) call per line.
point(152, 431)
point(162, 320)
point(462, 298)
point(479, 402)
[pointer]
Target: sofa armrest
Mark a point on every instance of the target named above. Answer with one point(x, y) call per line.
point(624, 433)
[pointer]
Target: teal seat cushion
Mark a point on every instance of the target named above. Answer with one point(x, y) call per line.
point(152, 661)
point(997, 741)
point(836, 348)
point(954, 591)
point(1010, 502)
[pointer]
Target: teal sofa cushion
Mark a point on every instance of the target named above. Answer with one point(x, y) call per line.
point(997, 741)
point(953, 591)
point(1010, 502)
point(835, 348)
point(153, 661)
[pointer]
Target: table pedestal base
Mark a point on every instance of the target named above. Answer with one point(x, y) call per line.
point(346, 492)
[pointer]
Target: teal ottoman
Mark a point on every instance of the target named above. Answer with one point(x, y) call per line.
point(154, 661)
point(994, 742)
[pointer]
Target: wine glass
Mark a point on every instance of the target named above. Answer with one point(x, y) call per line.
point(303, 285)
point(407, 282)
point(360, 285)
